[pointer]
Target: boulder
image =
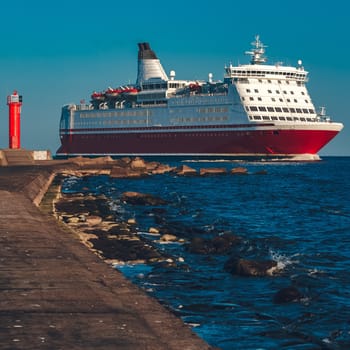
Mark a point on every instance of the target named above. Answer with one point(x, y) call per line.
point(138, 163)
point(167, 237)
point(239, 171)
point(221, 244)
point(153, 230)
point(243, 267)
point(138, 198)
point(125, 172)
point(185, 170)
point(93, 220)
point(162, 169)
point(212, 171)
point(287, 295)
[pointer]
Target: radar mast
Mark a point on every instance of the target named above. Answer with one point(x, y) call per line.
point(258, 51)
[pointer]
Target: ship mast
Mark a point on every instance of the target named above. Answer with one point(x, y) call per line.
point(258, 51)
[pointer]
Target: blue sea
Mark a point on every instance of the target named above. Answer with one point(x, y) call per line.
point(297, 214)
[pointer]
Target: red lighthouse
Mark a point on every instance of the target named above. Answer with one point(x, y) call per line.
point(14, 102)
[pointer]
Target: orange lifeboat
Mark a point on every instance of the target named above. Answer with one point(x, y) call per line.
point(97, 96)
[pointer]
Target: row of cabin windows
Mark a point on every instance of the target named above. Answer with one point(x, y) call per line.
point(273, 99)
point(264, 73)
point(198, 119)
point(278, 109)
point(277, 91)
point(290, 119)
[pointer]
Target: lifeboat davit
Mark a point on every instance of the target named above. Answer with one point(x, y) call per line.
point(113, 92)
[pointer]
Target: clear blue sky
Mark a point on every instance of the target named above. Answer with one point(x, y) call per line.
point(57, 52)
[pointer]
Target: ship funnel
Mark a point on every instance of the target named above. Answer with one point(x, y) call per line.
point(149, 65)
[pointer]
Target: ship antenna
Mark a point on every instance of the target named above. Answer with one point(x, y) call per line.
point(258, 51)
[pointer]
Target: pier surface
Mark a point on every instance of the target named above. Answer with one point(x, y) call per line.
point(56, 294)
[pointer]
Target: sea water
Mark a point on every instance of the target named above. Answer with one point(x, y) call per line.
point(297, 214)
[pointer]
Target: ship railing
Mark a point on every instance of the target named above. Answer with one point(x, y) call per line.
point(201, 94)
point(83, 107)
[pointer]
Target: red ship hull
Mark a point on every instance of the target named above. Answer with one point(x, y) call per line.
point(248, 142)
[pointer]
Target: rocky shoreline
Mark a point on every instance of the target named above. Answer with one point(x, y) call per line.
point(117, 241)
point(114, 240)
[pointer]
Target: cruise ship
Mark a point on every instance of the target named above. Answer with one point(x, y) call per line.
point(257, 110)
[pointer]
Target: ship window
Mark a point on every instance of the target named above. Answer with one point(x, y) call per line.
point(251, 98)
point(274, 118)
point(282, 118)
point(269, 81)
point(303, 119)
point(292, 110)
point(266, 118)
point(278, 109)
point(285, 109)
point(262, 109)
point(292, 93)
point(256, 90)
point(298, 110)
point(311, 111)
point(284, 91)
point(273, 99)
point(277, 92)
point(290, 119)
point(279, 82)
point(247, 90)
point(253, 108)
point(309, 119)
point(303, 93)
point(306, 101)
point(257, 117)
point(269, 91)
point(270, 109)
point(288, 100)
point(281, 99)
point(295, 100)
point(305, 110)
point(259, 99)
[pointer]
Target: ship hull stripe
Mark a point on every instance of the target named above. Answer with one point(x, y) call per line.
point(268, 142)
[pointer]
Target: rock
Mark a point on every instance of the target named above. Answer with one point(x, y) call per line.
point(150, 166)
point(239, 171)
point(162, 169)
point(218, 245)
point(138, 163)
point(212, 171)
point(73, 220)
point(122, 172)
point(125, 249)
point(168, 238)
point(245, 267)
point(138, 198)
point(93, 220)
point(153, 230)
point(131, 221)
point(185, 170)
point(287, 295)
point(83, 205)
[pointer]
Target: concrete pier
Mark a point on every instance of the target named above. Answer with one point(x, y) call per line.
point(56, 294)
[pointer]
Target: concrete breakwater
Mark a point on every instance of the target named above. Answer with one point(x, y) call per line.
point(56, 294)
